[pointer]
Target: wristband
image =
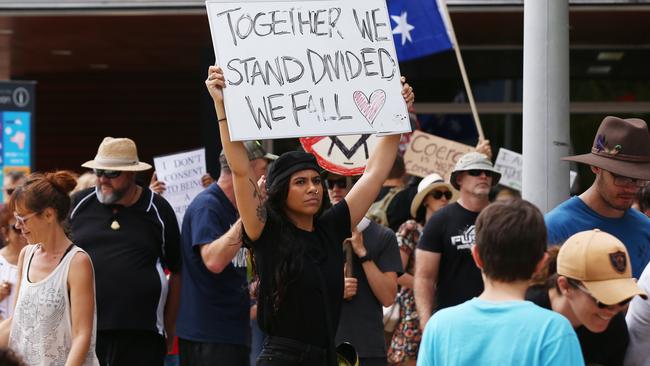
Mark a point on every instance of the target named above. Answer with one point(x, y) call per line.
point(365, 258)
point(222, 119)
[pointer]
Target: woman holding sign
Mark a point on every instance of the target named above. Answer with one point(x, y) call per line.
point(296, 244)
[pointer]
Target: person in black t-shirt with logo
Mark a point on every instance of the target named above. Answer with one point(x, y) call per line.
point(445, 273)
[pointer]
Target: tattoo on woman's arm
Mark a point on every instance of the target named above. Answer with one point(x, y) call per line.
point(257, 195)
point(235, 237)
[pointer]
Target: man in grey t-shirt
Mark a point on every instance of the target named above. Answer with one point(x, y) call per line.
point(371, 283)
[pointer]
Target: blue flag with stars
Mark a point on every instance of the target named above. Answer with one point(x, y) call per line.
point(418, 28)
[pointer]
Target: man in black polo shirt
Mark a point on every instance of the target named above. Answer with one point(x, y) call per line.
point(131, 234)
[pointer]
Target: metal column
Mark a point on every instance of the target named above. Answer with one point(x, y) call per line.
point(546, 102)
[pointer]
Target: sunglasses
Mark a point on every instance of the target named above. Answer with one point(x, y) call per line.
point(622, 181)
point(478, 172)
point(436, 194)
point(598, 303)
point(341, 183)
point(110, 174)
point(23, 219)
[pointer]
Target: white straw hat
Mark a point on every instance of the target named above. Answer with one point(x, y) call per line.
point(428, 184)
point(117, 154)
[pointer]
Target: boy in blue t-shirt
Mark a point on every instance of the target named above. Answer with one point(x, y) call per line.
point(500, 327)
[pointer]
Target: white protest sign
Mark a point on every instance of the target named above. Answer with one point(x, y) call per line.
point(307, 68)
point(509, 164)
point(428, 154)
point(572, 178)
point(181, 174)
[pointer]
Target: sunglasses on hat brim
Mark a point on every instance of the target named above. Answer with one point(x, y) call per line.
point(601, 305)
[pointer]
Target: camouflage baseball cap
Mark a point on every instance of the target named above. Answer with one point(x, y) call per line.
point(254, 150)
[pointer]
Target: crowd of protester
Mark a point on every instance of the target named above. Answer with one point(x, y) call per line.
point(94, 270)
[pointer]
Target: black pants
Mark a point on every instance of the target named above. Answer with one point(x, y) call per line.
point(130, 347)
point(212, 354)
point(373, 361)
point(279, 351)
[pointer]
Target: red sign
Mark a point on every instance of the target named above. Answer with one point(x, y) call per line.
point(344, 155)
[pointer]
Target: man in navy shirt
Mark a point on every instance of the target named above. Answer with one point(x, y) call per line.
point(213, 320)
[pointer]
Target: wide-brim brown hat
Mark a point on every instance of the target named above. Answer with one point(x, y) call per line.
point(428, 184)
point(117, 154)
point(621, 146)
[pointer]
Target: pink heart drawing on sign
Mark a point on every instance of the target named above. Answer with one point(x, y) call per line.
point(370, 107)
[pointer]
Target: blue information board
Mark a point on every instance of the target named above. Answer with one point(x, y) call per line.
point(17, 101)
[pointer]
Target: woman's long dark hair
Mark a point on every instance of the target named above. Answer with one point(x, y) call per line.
point(290, 253)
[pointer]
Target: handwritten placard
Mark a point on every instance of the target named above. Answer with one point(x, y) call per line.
point(428, 154)
point(307, 68)
point(509, 164)
point(181, 174)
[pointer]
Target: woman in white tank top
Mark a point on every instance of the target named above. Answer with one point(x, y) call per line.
point(54, 320)
point(14, 244)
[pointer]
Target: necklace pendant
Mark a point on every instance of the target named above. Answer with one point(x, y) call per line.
point(115, 225)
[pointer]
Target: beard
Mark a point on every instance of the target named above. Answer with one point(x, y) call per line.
point(111, 198)
point(481, 191)
point(610, 201)
point(609, 196)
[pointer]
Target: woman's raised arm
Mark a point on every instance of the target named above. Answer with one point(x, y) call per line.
point(250, 203)
point(364, 192)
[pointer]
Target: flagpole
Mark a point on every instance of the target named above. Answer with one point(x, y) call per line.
point(445, 13)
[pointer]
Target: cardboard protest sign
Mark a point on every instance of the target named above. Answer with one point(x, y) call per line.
point(509, 164)
point(181, 174)
point(344, 155)
point(428, 154)
point(307, 68)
